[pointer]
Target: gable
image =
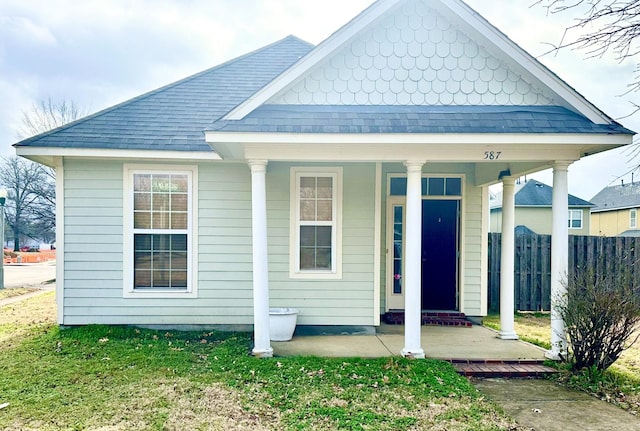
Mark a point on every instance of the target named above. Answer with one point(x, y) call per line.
point(413, 55)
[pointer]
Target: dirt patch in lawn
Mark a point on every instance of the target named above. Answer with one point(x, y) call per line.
point(21, 317)
point(175, 404)
point(10, 292)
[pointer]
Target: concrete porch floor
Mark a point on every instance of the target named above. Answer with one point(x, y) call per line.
point(438, 342)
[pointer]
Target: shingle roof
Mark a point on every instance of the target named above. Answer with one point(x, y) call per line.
point(536, 194)
point(523, 230)
point(617, 197)
point(174, 117)
point(414, 119)
point(630, 233)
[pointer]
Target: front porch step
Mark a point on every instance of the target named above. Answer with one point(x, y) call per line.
point(502, 368)
point(437, 318)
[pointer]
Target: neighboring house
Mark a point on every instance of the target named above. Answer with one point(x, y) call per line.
point(344, 180)
point(616, 211)
point(533, 200)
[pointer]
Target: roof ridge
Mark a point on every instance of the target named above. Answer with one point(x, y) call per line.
point(158, 90)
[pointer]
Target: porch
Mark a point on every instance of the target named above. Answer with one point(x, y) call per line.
point(475, 350)
point(440, 342)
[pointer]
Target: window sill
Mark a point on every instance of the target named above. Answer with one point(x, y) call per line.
point(312, 275)
point(163, 294)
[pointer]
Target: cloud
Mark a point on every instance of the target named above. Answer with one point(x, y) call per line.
point(99, 53)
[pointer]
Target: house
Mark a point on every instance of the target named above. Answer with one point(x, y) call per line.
point(616, 211)
point(344, 180)
point(534, 210)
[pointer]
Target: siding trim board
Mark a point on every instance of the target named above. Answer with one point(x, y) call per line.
point(60, 240)
point(377, 258)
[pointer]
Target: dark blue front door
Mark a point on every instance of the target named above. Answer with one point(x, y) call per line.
point(440, 233)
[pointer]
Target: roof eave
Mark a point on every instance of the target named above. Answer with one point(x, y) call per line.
point(590, 142)
point(618, 208)
point(49, 155)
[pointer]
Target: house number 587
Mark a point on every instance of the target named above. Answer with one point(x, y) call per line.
point(492, 155)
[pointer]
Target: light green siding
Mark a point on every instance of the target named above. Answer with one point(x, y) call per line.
point(93, 253)
point(94, 250)
point(348, 301)
point(472, 243)
point(92, 239)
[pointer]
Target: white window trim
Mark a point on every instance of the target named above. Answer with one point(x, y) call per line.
point(571, 219)
point(633, 218)
point(192, 232)
point(294, 247)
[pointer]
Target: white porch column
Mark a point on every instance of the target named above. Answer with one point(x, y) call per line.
point(559, 257)
point(262, 347)
point(413, 263)
point(507, 266)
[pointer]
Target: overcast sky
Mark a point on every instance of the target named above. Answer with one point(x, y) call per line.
point(102, 52)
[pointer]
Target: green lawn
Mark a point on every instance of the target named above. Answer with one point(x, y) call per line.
point(122, 378)
point(619, 385)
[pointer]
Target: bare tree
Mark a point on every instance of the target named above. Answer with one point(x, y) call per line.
point(601, 311)
point(31, 198)
point(28, 211)
point(47, 115)
point(600, 27)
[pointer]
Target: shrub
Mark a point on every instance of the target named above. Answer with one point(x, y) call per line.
point(601, 312)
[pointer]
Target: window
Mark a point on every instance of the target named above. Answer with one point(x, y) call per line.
point(431, 186)
point(397, 247)
point(316, 200)
point(575, 219)
point(633, 219)
point(158, 244)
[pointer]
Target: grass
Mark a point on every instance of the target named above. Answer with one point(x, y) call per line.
point(620, 384)
point(534, 328)
point(15, 291)
point(121, 378)
point(24, 317)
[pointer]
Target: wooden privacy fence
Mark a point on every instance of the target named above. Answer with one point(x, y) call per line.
point(532, 280)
